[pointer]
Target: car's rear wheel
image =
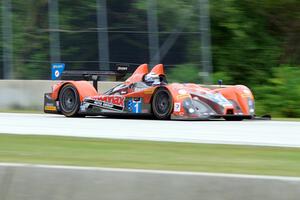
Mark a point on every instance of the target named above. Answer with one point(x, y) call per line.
point(69, 101)
point(162, 104)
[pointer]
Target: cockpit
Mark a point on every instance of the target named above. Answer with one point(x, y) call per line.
point(140, 79)
point(149, 80)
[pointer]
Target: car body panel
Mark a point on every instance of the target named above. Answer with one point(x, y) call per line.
point(84, 89)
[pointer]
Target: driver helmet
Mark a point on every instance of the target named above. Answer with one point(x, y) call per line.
point(152, 79)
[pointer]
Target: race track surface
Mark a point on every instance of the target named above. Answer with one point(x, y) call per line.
point(265, 133)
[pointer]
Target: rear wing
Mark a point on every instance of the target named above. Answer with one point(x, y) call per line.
point(94, 76)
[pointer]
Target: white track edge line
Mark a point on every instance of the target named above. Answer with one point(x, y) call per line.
point(166, 172)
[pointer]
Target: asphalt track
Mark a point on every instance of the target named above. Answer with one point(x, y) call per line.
point(263, 133)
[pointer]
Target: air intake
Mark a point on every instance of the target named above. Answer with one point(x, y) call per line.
point(229, 112)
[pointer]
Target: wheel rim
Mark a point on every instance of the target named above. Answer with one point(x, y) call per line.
point(162, 103)
point(68, 100)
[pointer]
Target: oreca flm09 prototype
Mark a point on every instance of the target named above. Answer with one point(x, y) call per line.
point(147, 92)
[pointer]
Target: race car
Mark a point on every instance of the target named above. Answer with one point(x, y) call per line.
point(148, 93)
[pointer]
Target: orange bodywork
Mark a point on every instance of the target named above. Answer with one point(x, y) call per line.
point(145, 94)
point(138, 75)
point(239, 94)
point(159, 70)
point(84, 89)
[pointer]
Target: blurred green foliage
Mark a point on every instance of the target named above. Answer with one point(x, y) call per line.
point(254, 42)
point(280, 96)
point(187, 73)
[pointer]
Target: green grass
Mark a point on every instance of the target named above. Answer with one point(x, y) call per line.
point(287, 119)
point(150, 155)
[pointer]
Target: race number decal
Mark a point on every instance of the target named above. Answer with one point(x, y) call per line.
point(177, 107)
point(135, 105)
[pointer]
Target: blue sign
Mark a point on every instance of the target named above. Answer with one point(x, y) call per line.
point(57, 70)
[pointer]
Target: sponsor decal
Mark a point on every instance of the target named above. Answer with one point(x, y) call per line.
point(247, 91)
point(49, 104)
point(182, 91)
point(122, 68)
point(246, 95)
point(196, 98)
point(83, 108)
point(50, 108)
point(57, 69)
point(177, 107)
point(250, 103)
point(109, 102)
point(145, 110)
point(57, 105)
point(182, 96)
point(149, 91)
point(48, 96)
point(56, 73)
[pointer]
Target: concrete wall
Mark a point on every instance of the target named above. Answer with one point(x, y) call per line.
point(21, 182)
point(29, 94)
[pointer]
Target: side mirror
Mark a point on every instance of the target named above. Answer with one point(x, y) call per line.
point(220, 82)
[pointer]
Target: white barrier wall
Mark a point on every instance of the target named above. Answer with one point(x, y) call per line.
point(21, 182)
point(29, 94)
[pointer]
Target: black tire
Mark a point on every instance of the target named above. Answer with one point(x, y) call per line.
point(162, 104)
point(234, 118)
point(69, 101)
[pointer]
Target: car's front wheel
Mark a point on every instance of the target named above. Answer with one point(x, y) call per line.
point(69, 101)
point(162, 104)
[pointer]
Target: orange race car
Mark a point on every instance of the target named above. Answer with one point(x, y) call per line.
point(148, 93)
